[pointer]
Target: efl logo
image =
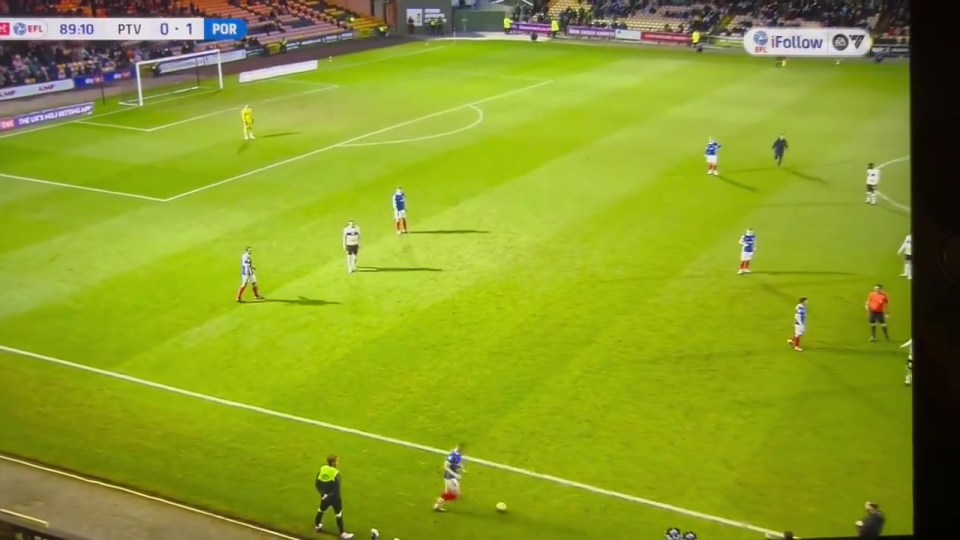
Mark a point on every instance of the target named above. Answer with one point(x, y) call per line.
point(760, 40)
point(29, 29)
point(4, 29)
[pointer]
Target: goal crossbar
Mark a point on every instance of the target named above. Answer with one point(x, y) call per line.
point(173, 64)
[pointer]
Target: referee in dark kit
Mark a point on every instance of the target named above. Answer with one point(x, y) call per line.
point(779, 148)
point(872, 524)
point(328, 485)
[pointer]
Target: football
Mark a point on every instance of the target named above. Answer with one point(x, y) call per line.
point(501, 507)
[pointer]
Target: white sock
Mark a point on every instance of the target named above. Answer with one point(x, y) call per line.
point(908, 269)
point(349, 262)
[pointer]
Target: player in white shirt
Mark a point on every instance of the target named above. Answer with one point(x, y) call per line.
point(873, 183)
point(909, 378)
point(248, 275)
point(351, 244)
point(906, 250)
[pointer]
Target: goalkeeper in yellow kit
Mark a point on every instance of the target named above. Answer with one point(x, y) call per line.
point(247, 115)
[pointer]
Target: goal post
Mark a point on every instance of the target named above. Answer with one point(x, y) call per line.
point(185, 68)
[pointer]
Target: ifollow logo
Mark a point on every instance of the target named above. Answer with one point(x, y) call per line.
point(807, 42)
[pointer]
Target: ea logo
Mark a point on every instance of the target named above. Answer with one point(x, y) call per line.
point(760, 38)
point(20, 29)
point(840, 42)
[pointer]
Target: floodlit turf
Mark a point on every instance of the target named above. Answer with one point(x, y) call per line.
point(568, 303)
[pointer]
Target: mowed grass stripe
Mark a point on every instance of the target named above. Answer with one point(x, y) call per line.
point(264, 454)
point(463, 262)
point(493, 335)
point(270, 211)
point(380, 438)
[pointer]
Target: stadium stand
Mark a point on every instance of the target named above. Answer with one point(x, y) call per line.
point(270, 21)
point(726, 16)
point(24, 63)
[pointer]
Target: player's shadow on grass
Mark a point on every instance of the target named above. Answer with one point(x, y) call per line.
point(734, 183)
point(451, 231)
point(397, 269)
point(300, 301)
point(283, 134)
point(805, 176)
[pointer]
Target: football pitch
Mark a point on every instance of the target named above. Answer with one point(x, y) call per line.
point(567, 302)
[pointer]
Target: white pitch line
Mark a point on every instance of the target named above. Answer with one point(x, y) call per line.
point(24, 517)
point(469, 73)
point(79, 187)
point(234, 109)
point(113, 126)
point(385, 439)
point(888, 199)
point(475, 123)
point(353, 140)
point(339, 67)
point(141, 495)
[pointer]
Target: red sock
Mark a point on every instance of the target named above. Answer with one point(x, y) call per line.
point(256, 291)
point(398, 225)
point(796, 341)
point(240, 292)
point(403, 224)
point(746, 265)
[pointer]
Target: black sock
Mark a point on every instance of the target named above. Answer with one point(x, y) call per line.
point(873, 332)
point(886, 334)
point(318, 519)
point(340, 524)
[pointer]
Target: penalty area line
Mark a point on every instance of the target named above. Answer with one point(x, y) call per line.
point(141, 495)
point(352, 140)
point(892, 202)
point(389, 440)
point(79, 188)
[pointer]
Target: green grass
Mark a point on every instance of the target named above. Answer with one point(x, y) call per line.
point(595, 330)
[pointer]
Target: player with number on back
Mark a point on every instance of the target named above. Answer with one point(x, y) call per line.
point(452, 472)
point(873, 183)
point(400, 210)
point(248, 275)
point(748, 246)
point(713, 148)
point(799, 324)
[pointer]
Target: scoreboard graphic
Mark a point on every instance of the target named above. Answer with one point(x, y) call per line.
point(122, 29)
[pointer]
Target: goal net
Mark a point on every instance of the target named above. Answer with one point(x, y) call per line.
point(163, 77)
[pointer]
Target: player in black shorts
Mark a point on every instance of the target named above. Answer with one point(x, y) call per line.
point(328, 485)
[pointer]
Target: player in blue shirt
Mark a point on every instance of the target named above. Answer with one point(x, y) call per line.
point(713, 148)
point(799, 324)
point(400, 211)
point(748, 246)
point(452, 472)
